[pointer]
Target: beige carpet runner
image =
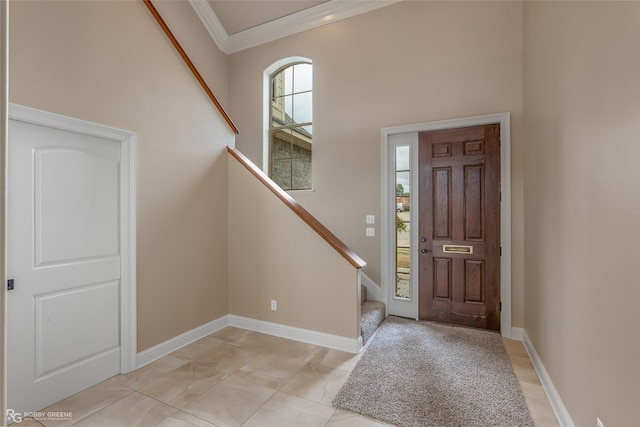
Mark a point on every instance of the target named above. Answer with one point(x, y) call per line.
point(421, 374)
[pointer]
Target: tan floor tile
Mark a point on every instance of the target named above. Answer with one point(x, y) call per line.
point(522, 362)
point(335, 359)
point(214, 342)
point(283, 410)
point(533, 390)
point(149, 373)
point(268, 344)
point(230, 334)
point(135, 410)
point(347, 419)
point(183, 385)
point(231, 377)
point(524, 371)
point(514, 347)
point(182, 419)
point(227, 358)
point(86, 402)
point(541, 411)
point(26, 422)
point(198, 348)
point(270, 370)
point(230, 403)
point(543, 423)
point(316, 383)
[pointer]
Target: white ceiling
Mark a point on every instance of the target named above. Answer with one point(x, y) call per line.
point(236, 16)
point(236, 25)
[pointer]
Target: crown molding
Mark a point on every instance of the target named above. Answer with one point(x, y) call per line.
point(211, 22)
point(322, 14)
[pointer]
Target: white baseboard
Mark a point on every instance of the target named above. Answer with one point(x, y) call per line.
point(351, 345)
point(554, 398)
point(516, 333)
point(156, 352)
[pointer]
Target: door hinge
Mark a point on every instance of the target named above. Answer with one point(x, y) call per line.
point(500, 305)
point(501, 196)
point(10, 285)
point(500, 250)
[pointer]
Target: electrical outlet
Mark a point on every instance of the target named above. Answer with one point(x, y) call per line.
point(599, 423)
point(371, 231)
point(274, 305)
point(370, 219)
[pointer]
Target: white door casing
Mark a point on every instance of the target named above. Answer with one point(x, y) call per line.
point(400, 306)
point(408, 135)
point(71, 254)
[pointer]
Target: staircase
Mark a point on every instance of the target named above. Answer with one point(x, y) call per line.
point(372, 315)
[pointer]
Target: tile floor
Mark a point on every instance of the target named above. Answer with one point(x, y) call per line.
point(242, 378)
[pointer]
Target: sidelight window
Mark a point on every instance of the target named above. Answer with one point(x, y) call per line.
point(403, 222)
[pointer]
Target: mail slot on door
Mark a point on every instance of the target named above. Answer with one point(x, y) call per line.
point(457, 249)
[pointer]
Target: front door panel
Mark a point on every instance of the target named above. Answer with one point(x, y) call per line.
point(459, 226)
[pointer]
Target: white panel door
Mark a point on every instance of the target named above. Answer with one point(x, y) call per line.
point(64, 257)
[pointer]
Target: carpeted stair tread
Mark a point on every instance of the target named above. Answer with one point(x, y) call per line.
point(372, 314)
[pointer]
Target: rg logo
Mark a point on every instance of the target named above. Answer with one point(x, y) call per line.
point(13, 416)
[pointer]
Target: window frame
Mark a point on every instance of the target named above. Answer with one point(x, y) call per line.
point(268, 128)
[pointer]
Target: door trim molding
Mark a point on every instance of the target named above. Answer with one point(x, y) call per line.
point(127, 140)
point(387, 208)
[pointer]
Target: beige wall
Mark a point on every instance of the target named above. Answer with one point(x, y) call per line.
point(582, 228)
point(109, 63)
point(411, 62)
point(274, 255)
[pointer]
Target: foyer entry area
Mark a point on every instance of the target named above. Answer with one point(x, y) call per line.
point(244, 378)
point(410, 255)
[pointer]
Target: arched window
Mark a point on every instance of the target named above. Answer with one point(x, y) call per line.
point(290, 124)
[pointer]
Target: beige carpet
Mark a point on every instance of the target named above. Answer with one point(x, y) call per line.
point(420, 374)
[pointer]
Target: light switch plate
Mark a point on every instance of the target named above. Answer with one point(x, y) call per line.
point(371, 219)
point(371, 231)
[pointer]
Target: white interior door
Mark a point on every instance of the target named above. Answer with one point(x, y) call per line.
point(64, 255)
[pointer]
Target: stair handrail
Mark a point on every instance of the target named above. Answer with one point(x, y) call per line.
point(192, 67)
point(309, 219)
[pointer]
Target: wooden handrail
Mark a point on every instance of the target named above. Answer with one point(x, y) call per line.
point(192, 67)
point(311, 221)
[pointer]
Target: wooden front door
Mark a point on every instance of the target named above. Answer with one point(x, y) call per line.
point(459, 226)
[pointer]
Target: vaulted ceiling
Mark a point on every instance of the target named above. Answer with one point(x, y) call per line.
point(236, 25)
point(237, 16)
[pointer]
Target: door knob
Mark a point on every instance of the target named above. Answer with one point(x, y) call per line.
point(424, 251)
